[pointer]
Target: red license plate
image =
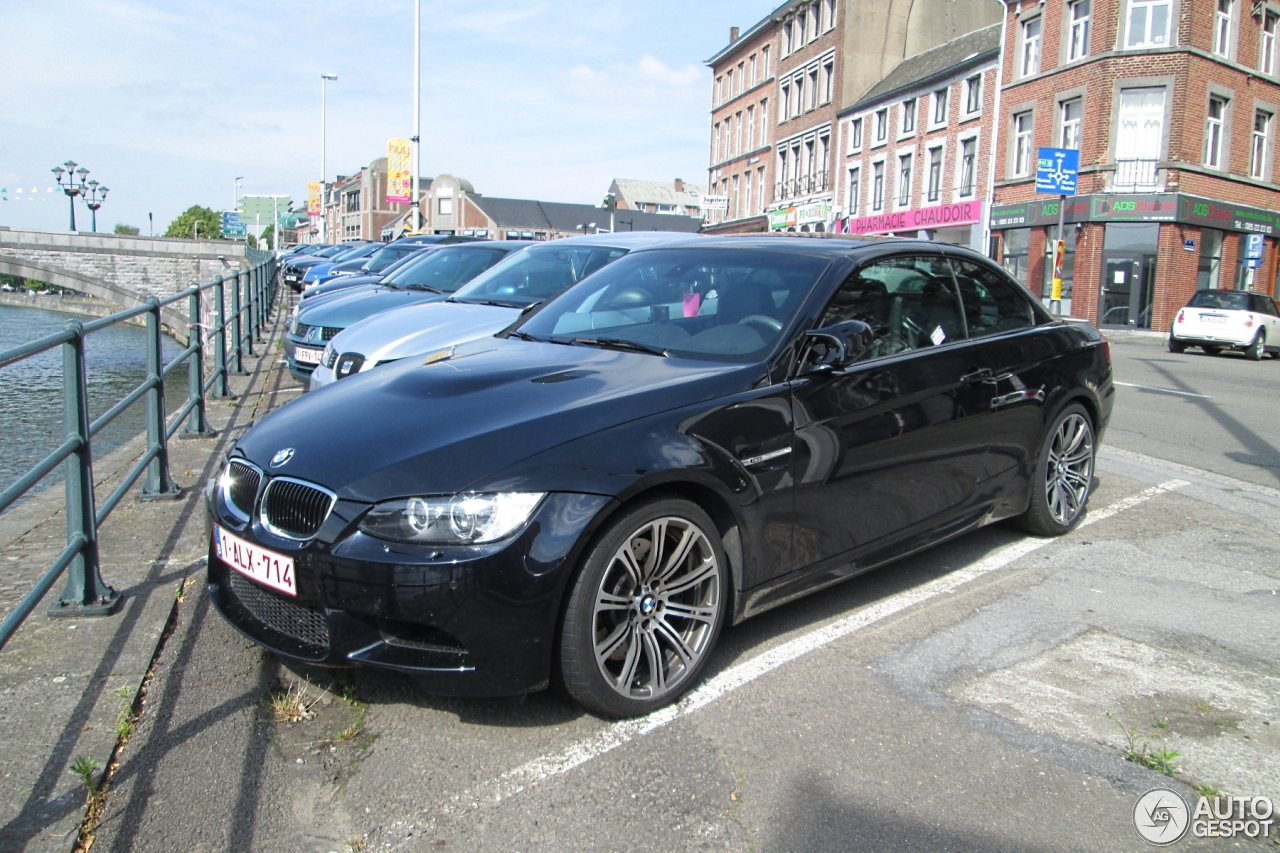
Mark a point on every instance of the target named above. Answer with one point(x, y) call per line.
point(266, 567)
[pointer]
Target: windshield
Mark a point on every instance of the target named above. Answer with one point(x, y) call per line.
point(537, 274)
point(446, 269)
point(386, 256)
point(331, 252)
point(717, 304)
point(1226, 300)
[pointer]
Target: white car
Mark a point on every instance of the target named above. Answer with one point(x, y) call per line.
point(1215, 320)
point(488, 304)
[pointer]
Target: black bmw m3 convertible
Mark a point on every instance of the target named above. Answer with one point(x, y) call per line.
point(694, 434)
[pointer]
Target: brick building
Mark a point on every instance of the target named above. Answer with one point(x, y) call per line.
point(914, 152)
point(1173, 106)
point(356, 206)
point(777, 90)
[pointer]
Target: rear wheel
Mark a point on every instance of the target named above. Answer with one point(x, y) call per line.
point(1258, 347)
point(1175, 345)
point(1063, 475)
point(645, 611)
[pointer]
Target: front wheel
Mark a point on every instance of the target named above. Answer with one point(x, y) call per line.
point(1257, 348)
point(645, 611)
point(1063, 475)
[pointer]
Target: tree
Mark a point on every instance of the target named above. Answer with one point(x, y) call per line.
point(210, 224)
point(267, 234)
point(130, 230)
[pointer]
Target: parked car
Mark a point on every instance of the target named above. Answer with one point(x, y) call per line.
point(1215, 320)
point(486, 306)
point(694, 434)
point(379, 263)
point(433, 277)
point(292, 270)
point(320, 273)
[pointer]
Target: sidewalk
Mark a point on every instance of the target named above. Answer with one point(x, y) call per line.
point(64, 683)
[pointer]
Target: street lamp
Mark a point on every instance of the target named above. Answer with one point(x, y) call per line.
point(324, 79)
point(70, 187)
point(235, 194)
point(93, 200)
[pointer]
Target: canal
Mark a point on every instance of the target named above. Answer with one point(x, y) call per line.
point(31, 412)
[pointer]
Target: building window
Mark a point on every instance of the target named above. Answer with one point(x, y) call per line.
point(1078, 14)
point(797, 103)
point(935, 173)
point(882, 124)
point(855, 135)
point(813, 90)
point(1072, 112)
point(973, 94)
point(1015, 252)
point(1148, 23)
point(760, 199)
point(940, 106)
point(444, 206)
point(728, 84)
point(737, 137)
point(353, 202)
point(715, 144)
point(752, 63)
point(719, 91)
point(909, 116)
point(786, 37)
point(1260, 152)
point(854, 194)
point(1213, 130)
point(968, 167)
point(764, 63)
point(829, 78)
point(877, 186)
point(1210, 259)
point(751, 128)
point(737, 201)
point(904, 179)
point(1022, 156)
point(1030, 55)
point(1267, 62)
point(764, 122)
point(801, 30)
point(822, 175)
point(1139, 138)
point(1222, 28)
point(785, 93)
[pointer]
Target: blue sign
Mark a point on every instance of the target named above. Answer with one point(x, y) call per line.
point(1253, 247)
point(232, 224)
point(1057, 170)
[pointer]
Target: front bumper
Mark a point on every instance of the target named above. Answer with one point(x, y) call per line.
point(301, 370)
point(469, 621)
point(292, 277)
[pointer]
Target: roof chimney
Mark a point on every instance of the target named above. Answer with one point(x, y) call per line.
point(733, 34)
point(679, 185)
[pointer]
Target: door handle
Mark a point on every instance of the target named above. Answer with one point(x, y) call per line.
point(982, 374)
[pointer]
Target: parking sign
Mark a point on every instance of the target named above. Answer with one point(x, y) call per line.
point(1057, 170)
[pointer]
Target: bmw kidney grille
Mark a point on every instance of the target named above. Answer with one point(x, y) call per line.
point(294, 509)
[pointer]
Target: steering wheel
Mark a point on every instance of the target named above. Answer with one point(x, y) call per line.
point(762, 322)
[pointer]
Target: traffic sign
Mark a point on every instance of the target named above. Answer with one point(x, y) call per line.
point(232, 224)
point(1253, 246)
point(1057, 170)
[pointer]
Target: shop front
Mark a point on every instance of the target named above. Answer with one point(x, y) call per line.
point(1133, 260)
point(812, 218)
point(958, 223)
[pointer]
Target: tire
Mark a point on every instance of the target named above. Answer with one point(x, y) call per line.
point(1175, 346)
point(627, 610)
point(1258, 347)
point(1212, 350)
point(1063, 475)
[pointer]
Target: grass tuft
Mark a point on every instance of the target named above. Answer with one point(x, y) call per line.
point(291, 704)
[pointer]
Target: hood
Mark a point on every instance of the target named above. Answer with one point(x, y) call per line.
point(416, 428)
point(328, 287)
point(420, 329)
point(343, 309)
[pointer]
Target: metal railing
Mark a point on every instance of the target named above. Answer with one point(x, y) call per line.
point(802, 186)
point(234, 334)
point(1136, 175)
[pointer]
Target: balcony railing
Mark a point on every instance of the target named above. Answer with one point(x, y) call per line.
point(1136, 176)
point(804, 185)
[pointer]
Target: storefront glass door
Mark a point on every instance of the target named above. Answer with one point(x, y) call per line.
point(1126, 291)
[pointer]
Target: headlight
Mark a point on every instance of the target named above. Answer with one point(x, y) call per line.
point(293, 324)
point(454, 520)
point(328, 357)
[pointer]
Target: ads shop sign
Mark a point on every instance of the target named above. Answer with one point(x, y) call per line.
point(1228, 217)
point(920, 219)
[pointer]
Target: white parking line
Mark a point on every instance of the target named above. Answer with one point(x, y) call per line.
point(1165, 390)
point(1221, 479)
point(545, 767)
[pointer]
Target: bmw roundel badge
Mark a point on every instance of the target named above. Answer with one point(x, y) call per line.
point(282, 457)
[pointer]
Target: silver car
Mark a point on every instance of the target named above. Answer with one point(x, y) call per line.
point(488, 304)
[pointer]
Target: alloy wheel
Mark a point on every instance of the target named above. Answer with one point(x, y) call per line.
point(1070, 469)
point(657, 608)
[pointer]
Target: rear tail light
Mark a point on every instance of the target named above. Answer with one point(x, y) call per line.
point(1106, 349)
point(1248, 321)
point(1182, 316)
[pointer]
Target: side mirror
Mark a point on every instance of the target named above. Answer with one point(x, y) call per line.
point(836, 346)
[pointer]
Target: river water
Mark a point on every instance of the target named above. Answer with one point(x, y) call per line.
point(31, 415)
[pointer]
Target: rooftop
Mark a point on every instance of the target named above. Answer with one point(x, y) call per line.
point(942, 61)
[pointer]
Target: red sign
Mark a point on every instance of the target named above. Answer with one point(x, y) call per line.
point(941, 216)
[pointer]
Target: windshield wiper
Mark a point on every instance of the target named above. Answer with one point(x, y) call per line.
point(494, 302)
point(617, 343)
point(425, 287)
point(525, 336)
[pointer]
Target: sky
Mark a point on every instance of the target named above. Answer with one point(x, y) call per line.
point(166, 103)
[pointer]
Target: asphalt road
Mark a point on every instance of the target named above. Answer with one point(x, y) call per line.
point(979, 696)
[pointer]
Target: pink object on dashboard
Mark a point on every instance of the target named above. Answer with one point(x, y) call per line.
point(692, 301)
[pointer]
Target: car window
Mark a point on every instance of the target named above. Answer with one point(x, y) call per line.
point(537, 274)
point(1271, 306)
point(1223, 300)
point(448, 269)
point(909, 302)
point(1261, 304)
point(718, 304)
point(992, 304)
point(387, 256)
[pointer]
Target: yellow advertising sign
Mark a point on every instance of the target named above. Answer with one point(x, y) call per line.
point(399, 173)
point(313, 198)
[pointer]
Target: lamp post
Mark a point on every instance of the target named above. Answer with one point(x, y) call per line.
point(70, 187)
point(324, 79)
point(235, 194)
point(417, 118)
point(93, 199)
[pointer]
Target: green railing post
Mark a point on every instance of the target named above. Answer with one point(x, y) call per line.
point(251, 300)
point(197, 424)
point(159, 485)
point(220, 387)
point(262, 299)
point(248, 302)
point(237, 363)
point(85, 594)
